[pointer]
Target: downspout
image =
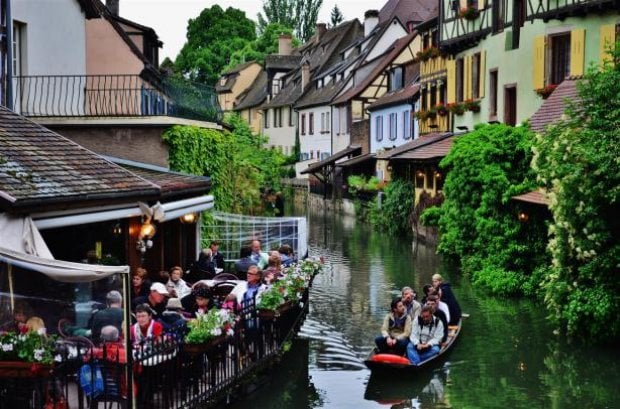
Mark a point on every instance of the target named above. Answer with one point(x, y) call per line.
point(9, 55)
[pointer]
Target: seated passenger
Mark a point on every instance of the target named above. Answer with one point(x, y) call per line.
point(173, 316)
point(251, 289)
point(411, 305)
point(177, 287)
point(21, 313)
point(140, 284)
point(432, 301)
point(112, 315)
point(204, 267)
point(447, 296)
point(396, 329)
point(157, 299)
point(442, 306)
point(425, 338)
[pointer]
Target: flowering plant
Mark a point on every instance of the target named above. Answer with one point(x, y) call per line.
point(210, 325)
point(441, 109)
point(424, 115)
point(472, 105)
point(469, 13)
point(428, 53)
point(546, 91)
point(30, 346)
point(311, 267)
point(456, 108)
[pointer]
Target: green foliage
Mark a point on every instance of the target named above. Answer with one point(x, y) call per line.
point(478, 222)
point(28, 347)
point(359, 183)
point(578, 162)
point(265, 44)
point(212, 38)
point(336, 16)
point(430, 217)
point(397, 205)
point(207, 326)
point(300, 15)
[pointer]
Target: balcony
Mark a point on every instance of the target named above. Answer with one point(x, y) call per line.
point(561, 9)
point(113, 96)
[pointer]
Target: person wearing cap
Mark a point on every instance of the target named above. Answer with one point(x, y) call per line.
point(157, 299)
point(173, 316)
point(112, 315)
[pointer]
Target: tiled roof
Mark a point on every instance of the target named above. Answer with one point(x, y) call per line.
point(433, 150)
point(415, 144)
point(238, 68)
point(255, 95)
point(357, 160)
point(536, 197)
point(39, 167)
point(320, 96)
point(228, 85)
point(553, 108)
point(395, 97)
point(407, 10)
point(172, 183)
point(282, 62)
point(350, 150)
point(391, 53)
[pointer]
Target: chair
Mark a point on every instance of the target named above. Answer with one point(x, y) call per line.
point(221, 290)
point(225, 277)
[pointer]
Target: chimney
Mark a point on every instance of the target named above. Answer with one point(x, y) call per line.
point(305, 75)
point(321, 28)
point(371, 19)
point(285, 44)
point(112, 5)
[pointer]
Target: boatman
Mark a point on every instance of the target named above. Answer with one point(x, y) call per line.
point(425, 338)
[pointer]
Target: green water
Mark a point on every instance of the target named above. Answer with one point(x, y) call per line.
point(507, 355)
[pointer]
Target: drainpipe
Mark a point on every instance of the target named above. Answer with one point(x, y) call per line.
point(9, 55)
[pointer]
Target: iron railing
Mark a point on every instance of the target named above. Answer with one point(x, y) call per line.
point(167, 373)
point(113, 96)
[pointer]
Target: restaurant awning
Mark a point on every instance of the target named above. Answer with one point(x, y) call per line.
point(535, 197)
point(349, 151)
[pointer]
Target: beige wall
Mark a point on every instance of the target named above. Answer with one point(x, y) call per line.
point(245, 78)
point(107, 52)
point(253, 117)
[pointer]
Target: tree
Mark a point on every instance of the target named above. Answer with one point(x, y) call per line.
point(577, 161)
point(336, 16)
point(265, 44)
point(212, 38)
point(300, 15)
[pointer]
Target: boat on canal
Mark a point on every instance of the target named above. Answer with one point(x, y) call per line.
point(385, 362)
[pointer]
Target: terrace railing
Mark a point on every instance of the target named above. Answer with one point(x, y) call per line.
point(113, 96)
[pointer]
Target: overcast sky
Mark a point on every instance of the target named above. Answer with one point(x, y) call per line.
point(169, 17)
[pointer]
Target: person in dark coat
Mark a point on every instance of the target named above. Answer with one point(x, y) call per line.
point(110, 316)
point(216, 256)
point(446, 295)
point(241, 266)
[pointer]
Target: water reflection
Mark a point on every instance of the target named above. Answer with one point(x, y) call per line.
point(424, 390)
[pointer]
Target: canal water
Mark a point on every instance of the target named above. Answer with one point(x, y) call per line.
point(506, 357)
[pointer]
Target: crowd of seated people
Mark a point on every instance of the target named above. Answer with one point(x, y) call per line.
point(419, 330)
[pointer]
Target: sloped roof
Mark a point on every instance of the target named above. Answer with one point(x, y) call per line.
point(553, 108)
point(231, 77)
point(395, 97)
point(357, 160)
point(350, 150)
point(535, 197)
point(320, 96)
point(39, 168)
point(255, 95)
point(238, 68)
point(282, 62)
point(415, 144)
point(172, 183)
point(407, 10)
point(432, 150)
point(385, 60)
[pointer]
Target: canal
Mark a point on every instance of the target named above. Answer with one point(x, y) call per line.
point(507, 355)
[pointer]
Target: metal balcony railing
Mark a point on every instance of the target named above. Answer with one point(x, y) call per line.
point(112, 96)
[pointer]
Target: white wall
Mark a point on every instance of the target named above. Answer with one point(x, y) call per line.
point(281, 137)
point(386, 142)
point(311, 143)
point(391, 34)
point(55, 36)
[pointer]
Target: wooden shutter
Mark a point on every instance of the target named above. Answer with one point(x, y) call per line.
point(483, 57)
point(538, 77)
point(608, 37)
point(467, 77)
point(451, 79)
point(481, 4)
point(577, 52)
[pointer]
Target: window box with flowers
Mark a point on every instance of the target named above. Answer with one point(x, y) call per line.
point(441, 109)
point(428, 53)
point(469, 13)
point(546, 91)
point(26, 355)
point(424, 115)
point(456, 108)
point(472, 105)
point(209, 330)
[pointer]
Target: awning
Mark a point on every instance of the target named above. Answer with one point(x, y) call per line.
point(19, 234)
point(414, 144)
point(438, 149)
point(351, 150)
point(536, 197)
point(60, 270)
point(369, 157)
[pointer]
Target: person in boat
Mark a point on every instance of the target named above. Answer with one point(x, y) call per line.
point(441, 306)
point(425, 290)
point(411, 305)
point(396, 329)
point(425, 337)
point(432, 301)
point(447, 296)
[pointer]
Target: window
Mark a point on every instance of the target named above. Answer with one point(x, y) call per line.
point(18, 47)
point(322, 122)
point(222, 80)
point(520, 10)
point(396, 78)
point(279, 117)
point(435, 38)
point(560, 58)
point(498, 15)
point(290, 116)
point(393, 126)
point(275, 87)
point(327, 122)
point(510, 105)
point(459, 80)
point(406, 125)
point(379, 128)
point(475, 76)
point(493, 94)
point(303, 124)
point(266, 119)
point(433, 91)
point(311, 123)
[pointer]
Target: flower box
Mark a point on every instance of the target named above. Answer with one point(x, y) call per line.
point(203, 347)
point(546, 91)
point(441, 110)
point(469, 13)
point(19, 369)
point(472, 105)
point(267, 314)
point(456, 108)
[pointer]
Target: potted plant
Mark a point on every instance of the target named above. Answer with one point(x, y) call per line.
point(27, 354)
point(469, 13)
point(209, 329)
point(441, 109)
point(472, 105)
point(428, 53)
point(456, 108)
point(544, 92)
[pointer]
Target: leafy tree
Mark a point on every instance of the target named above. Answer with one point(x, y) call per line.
point(300, 15)
point(212, 38)
point(577, 161)
point(336, 16)
point(478, 222)
point(265, 44)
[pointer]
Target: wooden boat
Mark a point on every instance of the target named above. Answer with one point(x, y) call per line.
point(385, 362)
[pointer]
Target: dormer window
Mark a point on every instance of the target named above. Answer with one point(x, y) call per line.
point(223, 81)
point(396, 78)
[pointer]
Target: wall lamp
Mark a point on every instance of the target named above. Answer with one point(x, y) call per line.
point(189, 218)
point(523, 216)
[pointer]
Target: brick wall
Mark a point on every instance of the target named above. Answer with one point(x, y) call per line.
point(360, 135)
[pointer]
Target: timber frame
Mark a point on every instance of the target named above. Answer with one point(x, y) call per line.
point(561, 9)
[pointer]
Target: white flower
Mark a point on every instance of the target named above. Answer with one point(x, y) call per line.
point(230, 332)
point(57, 358)
point(42, 331)
point(216, 332)
point(38, 354)
point(7, 347)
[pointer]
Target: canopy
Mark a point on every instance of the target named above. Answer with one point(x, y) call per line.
point(21, 235)
point(63, 271)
